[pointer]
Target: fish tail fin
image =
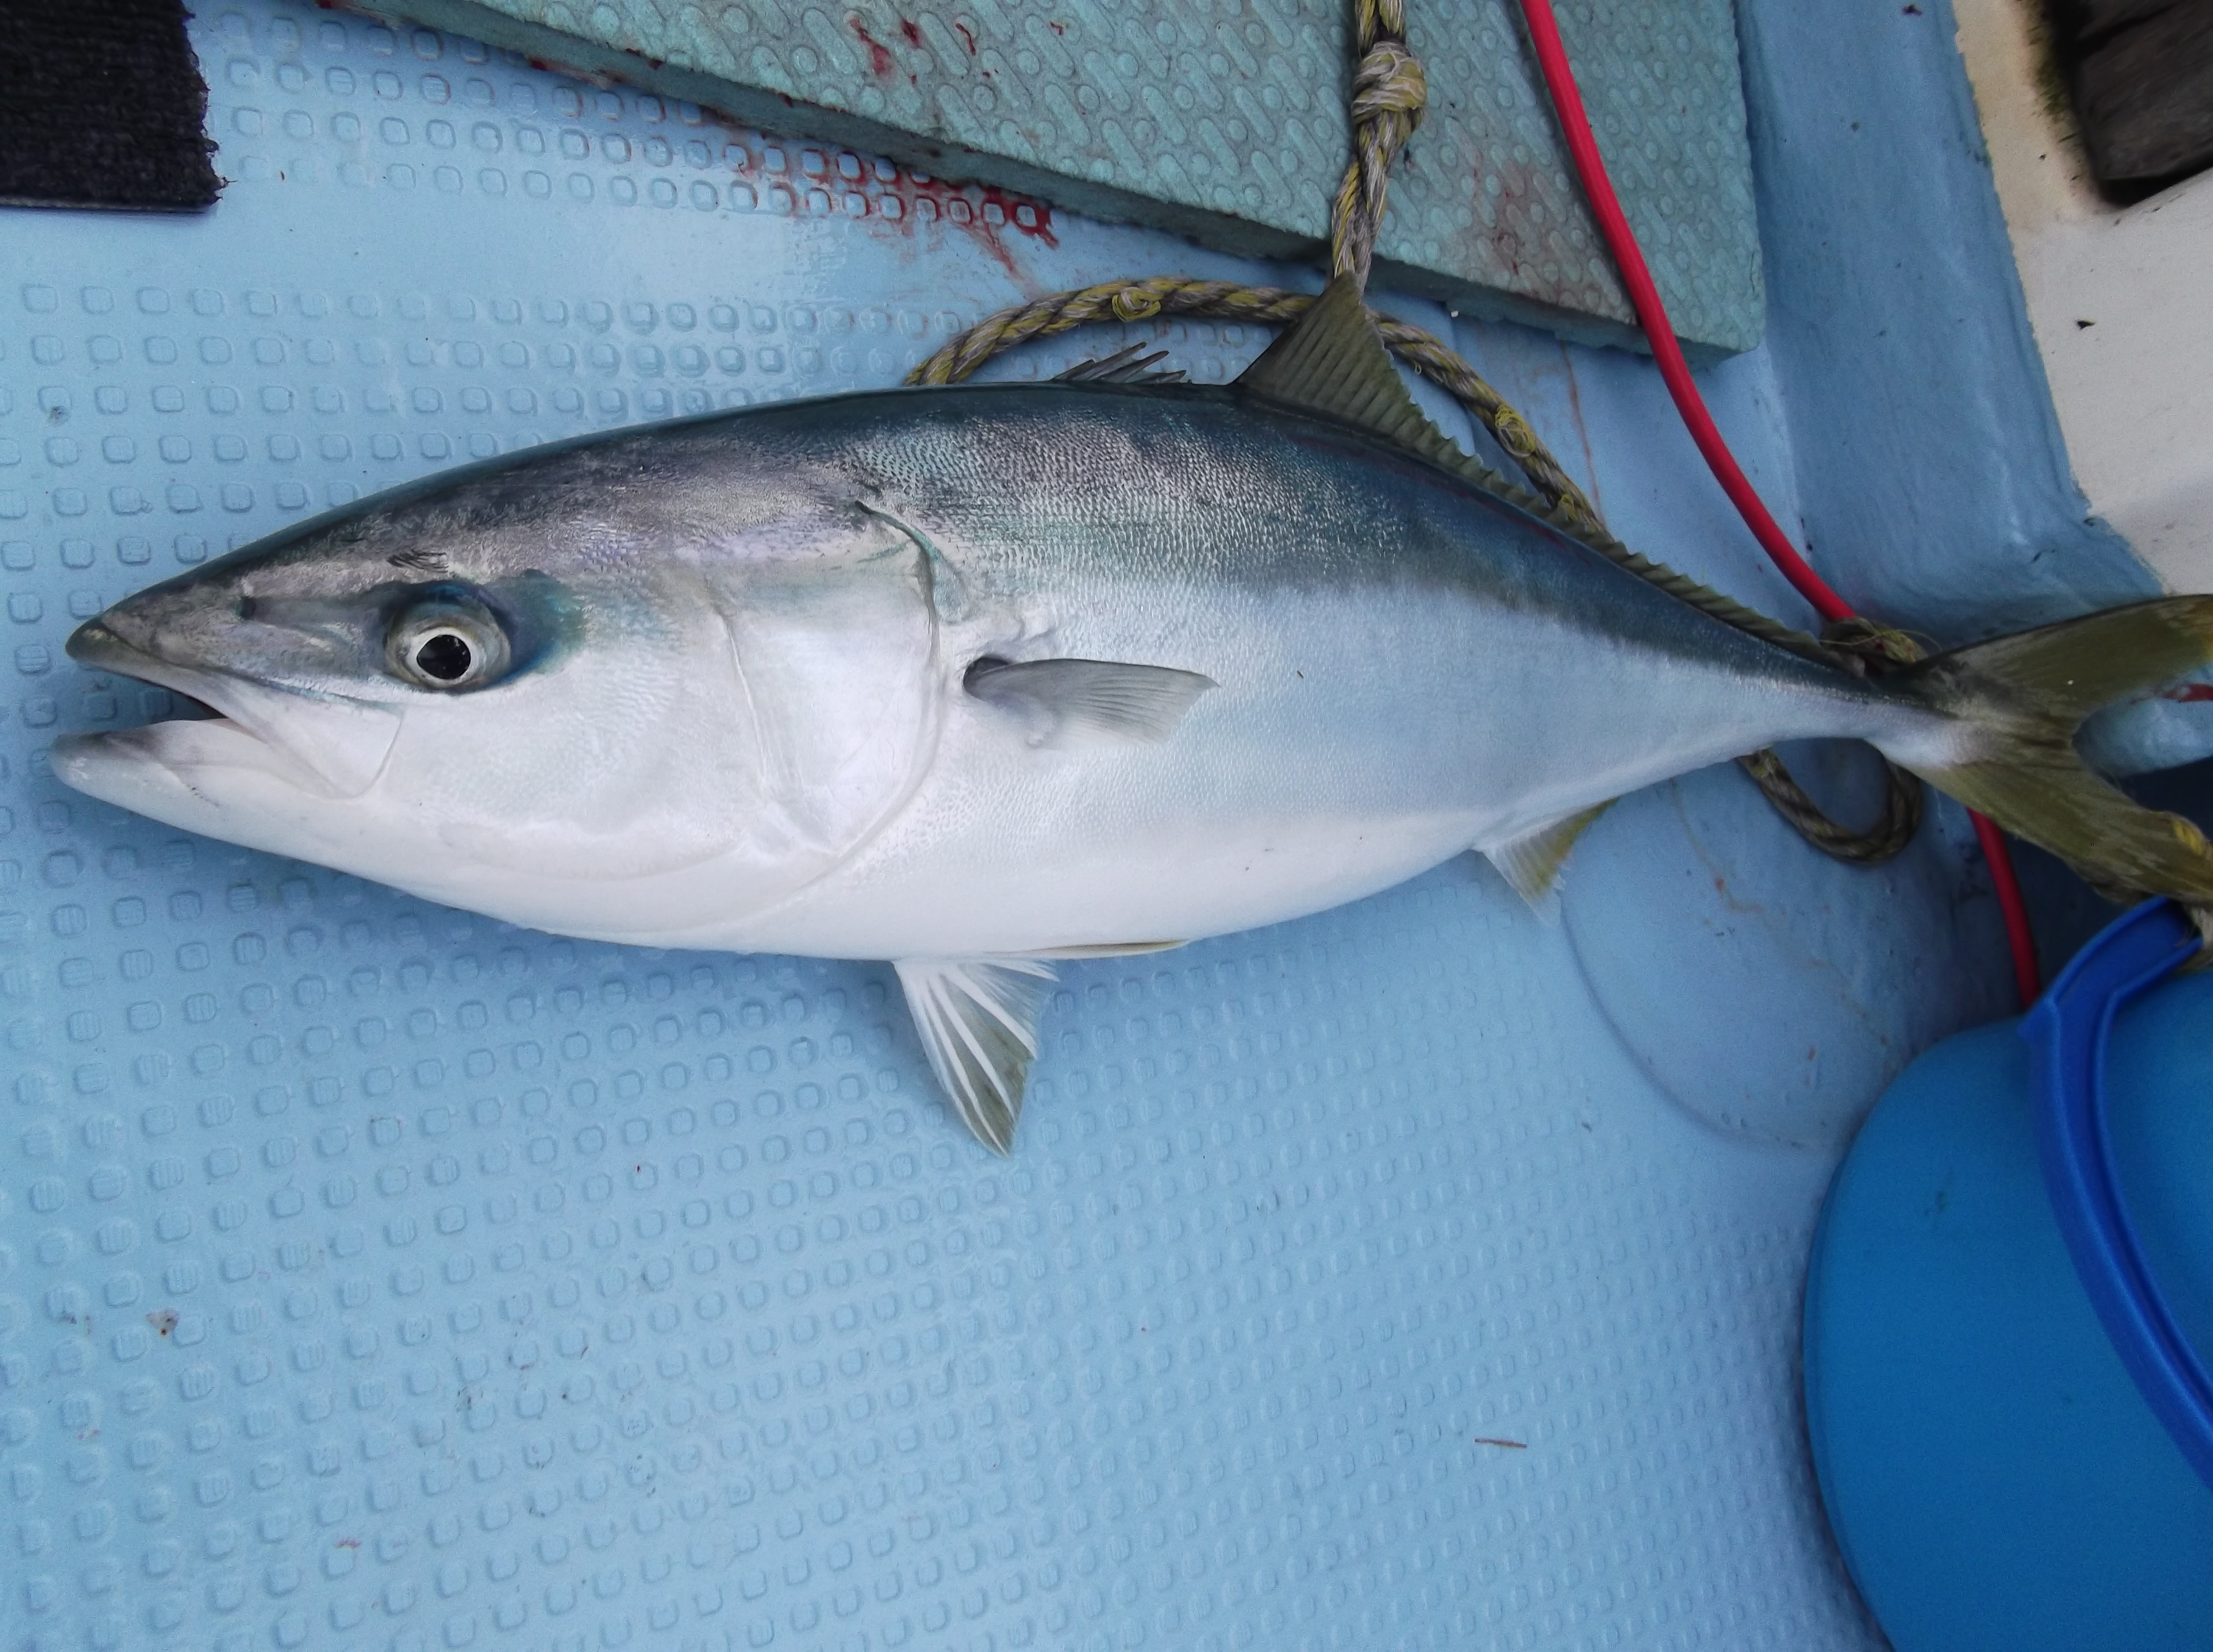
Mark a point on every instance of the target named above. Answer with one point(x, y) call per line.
point(2024, 697)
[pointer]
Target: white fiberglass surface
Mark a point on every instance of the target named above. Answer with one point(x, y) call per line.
point(375, 1275)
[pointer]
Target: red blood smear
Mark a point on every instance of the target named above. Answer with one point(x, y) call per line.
point(974, 199)
point(880, 57)
point(968, 208)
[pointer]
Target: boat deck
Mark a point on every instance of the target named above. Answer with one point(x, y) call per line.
point(1419, 1274)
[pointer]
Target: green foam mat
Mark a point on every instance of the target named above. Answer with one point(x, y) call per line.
point(1228, 124)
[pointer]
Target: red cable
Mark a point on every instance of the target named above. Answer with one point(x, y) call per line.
point(2007, 887)
point(1652, 316)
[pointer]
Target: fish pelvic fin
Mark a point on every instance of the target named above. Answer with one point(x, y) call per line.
point(2026, 695)
point(1534, 861)
point(977, 1020)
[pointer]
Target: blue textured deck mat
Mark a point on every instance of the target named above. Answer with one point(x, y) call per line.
point(1228, 124)
point(375, 1276)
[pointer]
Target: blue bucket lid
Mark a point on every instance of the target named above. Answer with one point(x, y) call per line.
point(2068, 1032)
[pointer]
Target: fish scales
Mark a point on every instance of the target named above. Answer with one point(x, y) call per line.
point(1407, 667)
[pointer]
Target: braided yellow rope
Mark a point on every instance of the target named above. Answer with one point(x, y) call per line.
point(1873, 646)
point(1388, 95)
point(1893, 830)
point(1389, 92)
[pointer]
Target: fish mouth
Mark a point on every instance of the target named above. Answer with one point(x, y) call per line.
point(322, 744)
point(95, 645)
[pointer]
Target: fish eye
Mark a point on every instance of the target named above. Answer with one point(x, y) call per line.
point(447, 645)
point(445, 654)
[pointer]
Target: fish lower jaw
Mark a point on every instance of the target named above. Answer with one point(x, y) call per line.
point(178, 761)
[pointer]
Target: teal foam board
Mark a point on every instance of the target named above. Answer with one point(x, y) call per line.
point(1229, 125)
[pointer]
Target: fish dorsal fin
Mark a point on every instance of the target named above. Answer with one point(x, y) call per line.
point(1124, 366)
point(1334, 362)
point(978, 1018)
point(1532, 861)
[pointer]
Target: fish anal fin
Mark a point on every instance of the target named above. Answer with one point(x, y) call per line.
point(978, 1021)
point(1068, 702)
point(1532, 861)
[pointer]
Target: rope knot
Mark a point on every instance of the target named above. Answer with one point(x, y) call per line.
point(1134, 304)
point(1870, 645)
point(1389, 92)
point(1514, 436)
point(1389, 81)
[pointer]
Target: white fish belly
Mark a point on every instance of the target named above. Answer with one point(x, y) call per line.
point(1349, 746)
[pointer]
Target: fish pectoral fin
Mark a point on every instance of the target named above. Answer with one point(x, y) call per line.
point(978, 1018)
point(1067, 702)
point(1532, 861)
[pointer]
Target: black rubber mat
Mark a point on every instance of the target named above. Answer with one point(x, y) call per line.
point(2142, 75)
point(101, 105)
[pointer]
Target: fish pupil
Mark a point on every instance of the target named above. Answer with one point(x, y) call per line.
point(444, 656)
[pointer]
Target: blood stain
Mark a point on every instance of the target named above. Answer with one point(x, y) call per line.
point(880, 57)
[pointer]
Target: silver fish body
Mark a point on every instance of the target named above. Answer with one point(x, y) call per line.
point(744, 719)
point(971, 679)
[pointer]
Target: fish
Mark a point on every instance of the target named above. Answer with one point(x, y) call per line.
point(980, 678)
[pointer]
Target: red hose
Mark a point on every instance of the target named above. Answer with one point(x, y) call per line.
point(2018, 934)
point(1652, 316)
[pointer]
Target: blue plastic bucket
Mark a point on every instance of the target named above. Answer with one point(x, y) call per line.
point(2013, 1279)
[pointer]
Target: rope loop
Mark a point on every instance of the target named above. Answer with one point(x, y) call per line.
point(1902, 806)
point(1388, 95)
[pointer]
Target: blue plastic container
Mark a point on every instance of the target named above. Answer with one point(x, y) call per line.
point(2007, 1451)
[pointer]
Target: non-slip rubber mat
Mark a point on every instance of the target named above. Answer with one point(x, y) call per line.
point(374, 1276)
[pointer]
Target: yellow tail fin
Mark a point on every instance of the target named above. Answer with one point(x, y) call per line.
point(2027, 694)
